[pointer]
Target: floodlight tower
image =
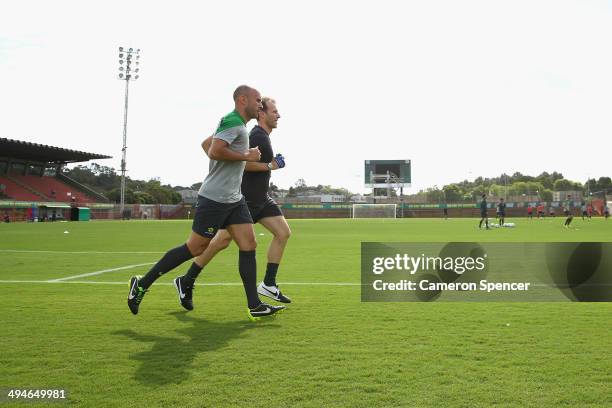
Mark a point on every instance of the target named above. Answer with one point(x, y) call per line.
point(128, 71)
point(588, 184)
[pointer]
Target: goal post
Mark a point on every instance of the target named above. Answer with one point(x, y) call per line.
point(374, 211)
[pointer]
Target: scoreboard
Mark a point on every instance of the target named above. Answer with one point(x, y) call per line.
point(385, 173)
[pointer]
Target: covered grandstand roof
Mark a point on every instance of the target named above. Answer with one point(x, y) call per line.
point(17, 149)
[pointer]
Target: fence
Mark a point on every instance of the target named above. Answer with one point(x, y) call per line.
point(42, 211)
point(49, 211)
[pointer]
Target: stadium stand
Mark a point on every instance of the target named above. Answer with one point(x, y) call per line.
point(33, 172)
point(54, 189)
point(14, 191)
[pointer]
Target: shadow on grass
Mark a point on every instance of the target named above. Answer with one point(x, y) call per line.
point(170, 359)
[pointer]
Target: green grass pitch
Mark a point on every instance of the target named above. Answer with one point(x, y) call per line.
point(327, 349)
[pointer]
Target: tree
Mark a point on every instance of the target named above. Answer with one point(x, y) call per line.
point(604, 183)
point(563, 185)
point(556, 176)
point(478, 191)
point(518, 188)
point(497, 190)
point(517, 176)
point(161, 194)
point(546, 195)
point(114, 195)
point(435, 195)
point(453, 193)
point(140, 197)
point(546, 180)
point(591, 185)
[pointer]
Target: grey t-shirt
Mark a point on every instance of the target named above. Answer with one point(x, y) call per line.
point(225, 177)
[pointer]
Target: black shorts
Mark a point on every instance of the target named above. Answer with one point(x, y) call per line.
point(264, 209)
point(483, 214)
point(211, 216)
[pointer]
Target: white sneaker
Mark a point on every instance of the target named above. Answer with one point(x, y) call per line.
point(273, 292)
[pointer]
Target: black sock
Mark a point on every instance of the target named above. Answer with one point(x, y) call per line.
point(480, 223)
point(270, 278)
point(247, 266)
point(169, 261)
point(192, 273)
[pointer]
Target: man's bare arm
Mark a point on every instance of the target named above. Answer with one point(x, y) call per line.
point(260, 167)
point(219, 150)
point(206, 144)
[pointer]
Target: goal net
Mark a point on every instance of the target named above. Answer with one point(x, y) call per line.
point(374, 210)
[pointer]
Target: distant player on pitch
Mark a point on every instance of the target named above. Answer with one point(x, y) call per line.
point(483, 212)
point(501, 211)
point(569, 212)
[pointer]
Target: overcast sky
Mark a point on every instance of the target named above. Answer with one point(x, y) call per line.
point(462, 88)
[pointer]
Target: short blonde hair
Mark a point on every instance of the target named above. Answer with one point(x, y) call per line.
point(265, 101)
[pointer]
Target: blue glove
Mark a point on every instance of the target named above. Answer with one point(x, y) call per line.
point(280, 161)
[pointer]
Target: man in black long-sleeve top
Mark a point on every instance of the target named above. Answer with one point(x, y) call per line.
point(483, 212)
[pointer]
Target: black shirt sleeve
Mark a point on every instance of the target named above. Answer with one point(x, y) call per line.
point(262, 140)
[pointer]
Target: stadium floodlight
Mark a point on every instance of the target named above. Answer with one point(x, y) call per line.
point(125, 56)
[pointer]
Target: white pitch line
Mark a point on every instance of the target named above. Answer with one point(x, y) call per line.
point(25, 251)
point(56, 281)
point(100, 272)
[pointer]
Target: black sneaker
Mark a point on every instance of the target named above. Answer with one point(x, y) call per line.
point(262, 310)
point(185, 293)
point(135, 294)
point(273, 292)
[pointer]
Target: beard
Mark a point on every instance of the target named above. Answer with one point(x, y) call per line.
point(252, 113)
